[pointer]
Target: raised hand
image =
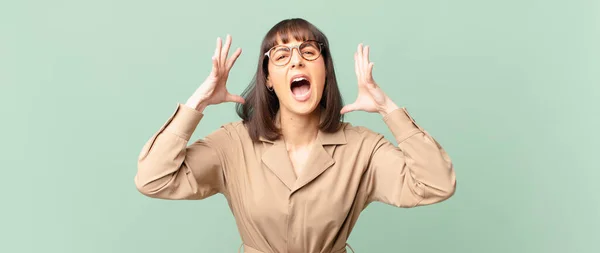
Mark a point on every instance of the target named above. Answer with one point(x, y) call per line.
point(213, 90)
point(370, 97)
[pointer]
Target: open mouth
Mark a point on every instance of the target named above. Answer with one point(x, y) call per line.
point(300, 87)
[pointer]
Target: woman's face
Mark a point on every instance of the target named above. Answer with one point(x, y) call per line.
point(299, 83)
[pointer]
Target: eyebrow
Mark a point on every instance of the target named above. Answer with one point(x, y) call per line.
point(282, 49)
point(285, 44)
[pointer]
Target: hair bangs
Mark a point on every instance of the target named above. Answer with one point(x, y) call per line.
point(285, 32)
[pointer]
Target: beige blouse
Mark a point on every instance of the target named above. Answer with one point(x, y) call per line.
point(274, 210)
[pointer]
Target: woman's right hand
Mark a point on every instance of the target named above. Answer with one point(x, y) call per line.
point(212, 90)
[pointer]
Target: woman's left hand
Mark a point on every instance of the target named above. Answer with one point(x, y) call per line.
point(370, 97)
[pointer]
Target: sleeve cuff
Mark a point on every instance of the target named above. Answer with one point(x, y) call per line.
point(184, 121)
point(401, 124)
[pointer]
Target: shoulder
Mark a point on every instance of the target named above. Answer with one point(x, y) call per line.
point(360, 142)
point(235, 127)
point(231, 129)
point(359, 133)
point(230, 133)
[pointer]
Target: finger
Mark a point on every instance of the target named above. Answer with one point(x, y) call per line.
point(225, 51)
point(234, 98)
point(215, 66)
point(356, 69)
point(218, 51)
point(365, 59)
point(233, 58)
point(370, 74)
point(370, 71)
point(349, 108)
point(359, 50)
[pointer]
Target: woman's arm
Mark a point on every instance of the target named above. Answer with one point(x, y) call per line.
point(416, 172)
point(167, 167)
point(170, 169)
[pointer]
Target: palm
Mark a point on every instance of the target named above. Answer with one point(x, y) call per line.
point(215, 86)
point(370, 97)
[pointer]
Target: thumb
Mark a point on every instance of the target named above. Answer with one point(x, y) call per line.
point(234, 98)
point(349, 108)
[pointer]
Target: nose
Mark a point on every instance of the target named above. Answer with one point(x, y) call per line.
point(296, 59)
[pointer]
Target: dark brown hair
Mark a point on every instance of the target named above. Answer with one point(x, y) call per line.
point(261, 106)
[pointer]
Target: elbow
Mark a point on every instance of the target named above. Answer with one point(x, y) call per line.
point(449, 190)
point(446, 186)
point(442, 190)
point(158, 186)
point(145, 183)
point(142, 187)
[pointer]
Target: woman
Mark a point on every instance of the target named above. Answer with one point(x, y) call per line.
point(295, 176)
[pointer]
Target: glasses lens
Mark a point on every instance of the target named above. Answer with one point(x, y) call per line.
point(310, 50)
point(280, 55)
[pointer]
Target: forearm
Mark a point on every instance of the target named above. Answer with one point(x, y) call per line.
point(430, 169)
point(417, 171)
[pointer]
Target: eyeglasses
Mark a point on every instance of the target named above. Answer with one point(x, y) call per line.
point(280, 55)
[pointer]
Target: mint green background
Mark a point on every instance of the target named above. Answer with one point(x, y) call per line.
point(510, 89)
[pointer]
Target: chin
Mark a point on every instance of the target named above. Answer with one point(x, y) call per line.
point(303, 107)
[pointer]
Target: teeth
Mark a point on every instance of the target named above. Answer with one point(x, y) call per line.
point(298, 79)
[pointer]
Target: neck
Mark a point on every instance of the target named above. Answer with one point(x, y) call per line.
point(299, 130)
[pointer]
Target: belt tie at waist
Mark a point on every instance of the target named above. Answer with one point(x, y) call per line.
point(248, 249)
